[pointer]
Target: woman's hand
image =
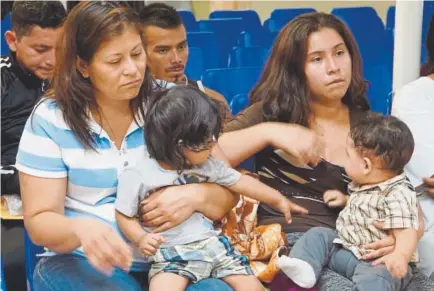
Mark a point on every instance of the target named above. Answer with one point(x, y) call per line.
point(395, 263)
point(335, 198)
point(302, 143)
point(429, 183)
point(382, 247)
point(168, 207)
point(103, 247)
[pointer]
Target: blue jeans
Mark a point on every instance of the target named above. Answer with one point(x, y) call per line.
point(74, 273)
point(316, 247)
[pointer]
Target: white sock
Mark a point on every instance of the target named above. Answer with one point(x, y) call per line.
point(300, 272)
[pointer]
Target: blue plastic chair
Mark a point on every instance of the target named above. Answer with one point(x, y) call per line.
point(239, 103)
point(367, 28)
point(280, 17)
point(2, 278)
point(231, 81)
point(207, 42)
point(263, 38)
point(194, 67)
point(32, 259)
point(428, 11)
point(254, 56)
point(189, 20)
point(227, 32)
point(250, 17)
point(379, 92)
point(5, 26)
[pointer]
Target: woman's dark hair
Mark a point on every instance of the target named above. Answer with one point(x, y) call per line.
point(178, 117)
point(429, 69)
point(283, 87)
point(385, 137)
point(88, 25)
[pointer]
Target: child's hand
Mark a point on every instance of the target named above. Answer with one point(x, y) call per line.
point(150, 243)
point(396, 264)
point(286, 207)
point(335, 198)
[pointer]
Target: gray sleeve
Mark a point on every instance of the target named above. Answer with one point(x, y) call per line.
point(130, 190)
point(221, 174)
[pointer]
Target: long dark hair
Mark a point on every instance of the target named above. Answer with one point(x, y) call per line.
point(283, 86)
point(88, 25)
point(179, 117)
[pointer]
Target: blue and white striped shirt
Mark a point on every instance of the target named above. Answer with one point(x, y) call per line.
point(49, 149)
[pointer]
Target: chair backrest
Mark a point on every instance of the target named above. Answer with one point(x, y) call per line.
point(379, 92)
point(208, 44)
point(194, 67)
point(368, 29)
point(231, 81)
point(5, 26)
point(239, 103)
point(227, 32)
point(32, 259)
point(280, 17)
point(250, 17)
point(189, 20)
point(2, 278)
point(428, 12)
point(253, 56)
point(390, 19)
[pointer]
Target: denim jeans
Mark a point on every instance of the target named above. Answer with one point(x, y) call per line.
point(74, 273)
point(316, 247)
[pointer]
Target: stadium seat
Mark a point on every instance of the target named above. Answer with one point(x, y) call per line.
point(227, 32)
point(250, 17)
point(32, 252)
point(207, 42)
point(194, 67)
point(189, 20)
point(5, 26)
point(280, 17)
point(231, 81)
point(379, 92)
point(2, 278)
point(254, 56)
point(367, 28)
point(239, 103)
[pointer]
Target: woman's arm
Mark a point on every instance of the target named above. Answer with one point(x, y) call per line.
point(387, 245)
point(170, 206)
point(43, 204)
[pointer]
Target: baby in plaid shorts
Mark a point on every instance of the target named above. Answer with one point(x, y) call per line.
point(181, 127)
point(378, 149)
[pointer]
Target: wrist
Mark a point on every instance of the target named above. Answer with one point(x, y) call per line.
point(140, 238)
point(196, 195)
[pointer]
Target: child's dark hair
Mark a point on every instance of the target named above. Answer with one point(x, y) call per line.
point(181, 113)
point(385, 137)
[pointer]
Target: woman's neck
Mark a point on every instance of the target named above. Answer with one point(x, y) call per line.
point(328, 111)
point(114, 108)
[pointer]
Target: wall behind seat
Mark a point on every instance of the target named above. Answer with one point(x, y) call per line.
point(203, 8)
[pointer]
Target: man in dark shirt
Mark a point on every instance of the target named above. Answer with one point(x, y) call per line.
point(36, 28)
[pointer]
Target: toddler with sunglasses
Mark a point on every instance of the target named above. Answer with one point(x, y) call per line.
point(182, 125)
